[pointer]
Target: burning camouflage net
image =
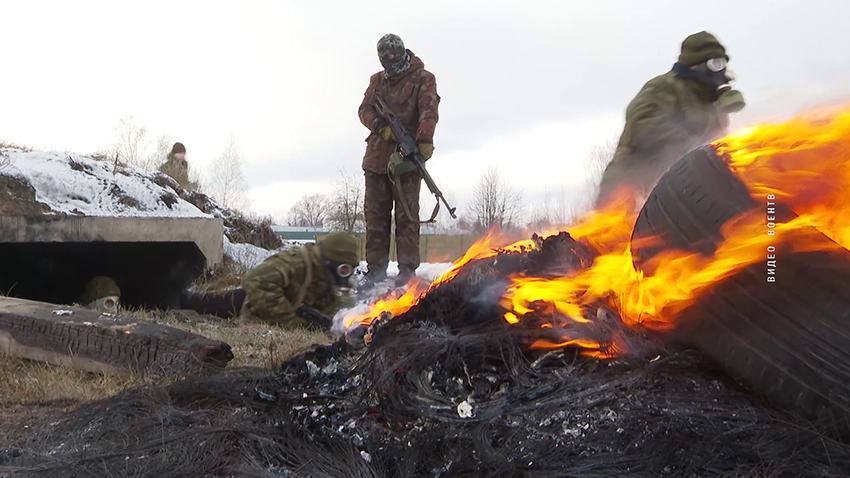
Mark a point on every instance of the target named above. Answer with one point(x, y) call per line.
point(449, 388)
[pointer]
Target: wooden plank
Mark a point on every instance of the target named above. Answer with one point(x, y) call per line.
point(104, 343)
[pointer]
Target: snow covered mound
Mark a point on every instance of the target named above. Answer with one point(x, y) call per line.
point(249, 255)
point(82, 185)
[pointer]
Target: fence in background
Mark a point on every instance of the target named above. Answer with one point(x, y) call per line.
point(432, 248)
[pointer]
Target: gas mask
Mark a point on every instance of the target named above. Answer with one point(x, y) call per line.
point(108, 305)
point(712, 73)
point(341, 273)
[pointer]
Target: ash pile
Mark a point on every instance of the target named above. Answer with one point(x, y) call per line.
point(448, 388)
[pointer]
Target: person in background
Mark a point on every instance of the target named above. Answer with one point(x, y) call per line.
point(177, 167)
point(673, 114)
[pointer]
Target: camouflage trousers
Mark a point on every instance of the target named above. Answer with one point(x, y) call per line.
point(381, 196)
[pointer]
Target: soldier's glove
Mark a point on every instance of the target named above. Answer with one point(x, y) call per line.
point(730, 101)
point(387, 134)
point(426, 150)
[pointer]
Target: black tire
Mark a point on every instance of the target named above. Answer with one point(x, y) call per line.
point(788, 339)
point(688, 206)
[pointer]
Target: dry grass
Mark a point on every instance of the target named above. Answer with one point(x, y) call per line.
point(8, 145)
point(25, 381)
point(223, 276)
point(254, 345)
point(252, 229)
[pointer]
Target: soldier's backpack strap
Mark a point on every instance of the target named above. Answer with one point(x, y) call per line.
point(308, 277)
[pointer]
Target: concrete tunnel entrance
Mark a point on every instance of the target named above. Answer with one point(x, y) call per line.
point(50, 258)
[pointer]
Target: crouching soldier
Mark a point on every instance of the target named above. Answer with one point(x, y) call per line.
point(284, 287)
point(101, 294)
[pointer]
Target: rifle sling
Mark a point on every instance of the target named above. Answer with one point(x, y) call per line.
point(307, 279)
point(403, 200)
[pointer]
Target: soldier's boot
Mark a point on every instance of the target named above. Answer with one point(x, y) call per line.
point(373, 278)
point(404, 276)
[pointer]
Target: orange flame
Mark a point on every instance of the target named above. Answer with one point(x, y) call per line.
point(805, 161)
point(591, 348)
point(487, 246)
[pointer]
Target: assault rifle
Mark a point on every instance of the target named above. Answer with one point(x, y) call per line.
point(310, 314)
point(229, 304)
point(409, 150)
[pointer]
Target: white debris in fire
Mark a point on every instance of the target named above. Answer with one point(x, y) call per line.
point(464, 409)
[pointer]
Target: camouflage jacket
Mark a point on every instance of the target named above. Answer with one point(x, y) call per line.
point(273, 287)
point(414, 100)
point(669, 117)
point(178, 170)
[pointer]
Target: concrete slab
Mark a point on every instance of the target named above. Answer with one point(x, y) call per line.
point(205, 233)
point(50, 258)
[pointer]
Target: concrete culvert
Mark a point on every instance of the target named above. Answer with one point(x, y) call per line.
point(51, 258)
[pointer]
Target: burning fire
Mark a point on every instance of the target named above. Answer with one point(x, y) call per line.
point(487, 246)
point(803, 163)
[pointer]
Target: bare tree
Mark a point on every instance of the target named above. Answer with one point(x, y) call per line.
point(310, 211)
point(159, 149)
point(542, 214)
point(227, 183)
point(129, 142)
point(494, 203)
point(196, 180)
point(601, 153)
point(346, 203)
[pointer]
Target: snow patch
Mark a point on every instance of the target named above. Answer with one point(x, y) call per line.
point(80, 184)
point(250, 255)
point(426, 271)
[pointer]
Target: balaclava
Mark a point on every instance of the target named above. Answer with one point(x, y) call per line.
point(390, 45)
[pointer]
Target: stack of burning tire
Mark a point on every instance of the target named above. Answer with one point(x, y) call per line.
point(782, 324)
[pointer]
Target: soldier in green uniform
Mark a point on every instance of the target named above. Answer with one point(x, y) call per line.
point(102, 294)
point(673, 114)
point(176, 166)
point(311, 275)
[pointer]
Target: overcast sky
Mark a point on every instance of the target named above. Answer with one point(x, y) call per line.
point(527, 85)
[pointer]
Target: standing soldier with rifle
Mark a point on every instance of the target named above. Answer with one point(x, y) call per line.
point(408, 94)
